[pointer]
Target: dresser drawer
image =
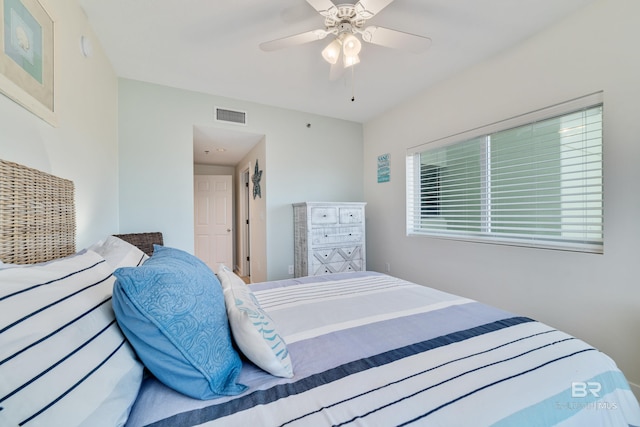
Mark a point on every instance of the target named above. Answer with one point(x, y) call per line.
point(341, 255)
point(324, 215)
point(318, 268)
point(336, 235)
point(351, 215)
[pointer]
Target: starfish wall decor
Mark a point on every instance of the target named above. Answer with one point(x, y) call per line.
point(257, 175)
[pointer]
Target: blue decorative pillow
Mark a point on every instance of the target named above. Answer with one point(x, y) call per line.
point(172, 311)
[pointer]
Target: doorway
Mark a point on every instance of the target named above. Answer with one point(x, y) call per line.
point(244, 227)
point(218, 151)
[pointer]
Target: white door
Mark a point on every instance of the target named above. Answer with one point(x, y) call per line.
point(213, 220)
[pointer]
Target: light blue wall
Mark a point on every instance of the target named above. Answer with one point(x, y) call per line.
point(83, 146)
point(320, 162)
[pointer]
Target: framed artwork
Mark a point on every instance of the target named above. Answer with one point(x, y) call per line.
point(26, 56)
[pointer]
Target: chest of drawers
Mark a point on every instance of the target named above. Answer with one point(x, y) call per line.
point(328, 238)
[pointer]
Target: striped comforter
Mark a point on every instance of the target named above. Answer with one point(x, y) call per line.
point(373, 350)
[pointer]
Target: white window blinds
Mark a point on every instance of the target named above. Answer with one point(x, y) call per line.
point(535, 180)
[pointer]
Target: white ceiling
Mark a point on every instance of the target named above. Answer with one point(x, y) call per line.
point(212, 47)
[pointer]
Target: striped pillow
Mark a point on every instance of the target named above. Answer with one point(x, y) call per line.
point(63, 359)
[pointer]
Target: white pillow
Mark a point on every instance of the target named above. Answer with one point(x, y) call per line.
point(253, 330)
point(63, 359)
point(7, 265)
point(119, 253)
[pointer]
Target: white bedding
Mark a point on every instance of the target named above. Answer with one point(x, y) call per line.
point(373, 350)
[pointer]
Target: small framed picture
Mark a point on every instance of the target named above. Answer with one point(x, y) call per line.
point(384, 170)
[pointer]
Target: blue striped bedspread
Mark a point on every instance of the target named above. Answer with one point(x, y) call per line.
point(373, 350)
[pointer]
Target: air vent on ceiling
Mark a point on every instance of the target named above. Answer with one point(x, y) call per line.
point(231, 116)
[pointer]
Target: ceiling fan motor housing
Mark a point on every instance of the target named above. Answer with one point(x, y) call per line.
point(345, 27)
point(345, 19)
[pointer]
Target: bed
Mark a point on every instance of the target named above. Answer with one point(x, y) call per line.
point(85, 340)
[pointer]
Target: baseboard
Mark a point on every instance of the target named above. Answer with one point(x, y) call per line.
point(635, 388)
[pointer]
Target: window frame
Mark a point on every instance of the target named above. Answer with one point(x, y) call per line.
point(414, 185)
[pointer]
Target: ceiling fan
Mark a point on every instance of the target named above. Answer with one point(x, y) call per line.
point(345, 21)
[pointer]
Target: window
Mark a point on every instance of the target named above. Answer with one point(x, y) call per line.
point(534, 180)
point(430, 188)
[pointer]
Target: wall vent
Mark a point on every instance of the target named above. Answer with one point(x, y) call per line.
point(231, 116)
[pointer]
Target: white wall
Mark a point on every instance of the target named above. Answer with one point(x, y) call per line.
point(320, 162)
point(596, 297)
point(83, 147)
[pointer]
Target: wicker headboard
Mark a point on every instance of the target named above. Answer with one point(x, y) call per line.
point(144, 241)
point(37, 215)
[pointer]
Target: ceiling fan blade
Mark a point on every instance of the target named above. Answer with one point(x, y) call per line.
point(395, 39)
point(366, 9)
point(325, 8)
point(297, 39)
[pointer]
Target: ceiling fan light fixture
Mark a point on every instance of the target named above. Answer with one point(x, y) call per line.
point(331, 53)
point(351, 46)
point(351, 60)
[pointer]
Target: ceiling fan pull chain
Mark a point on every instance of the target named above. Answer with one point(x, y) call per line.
point(353, 83)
